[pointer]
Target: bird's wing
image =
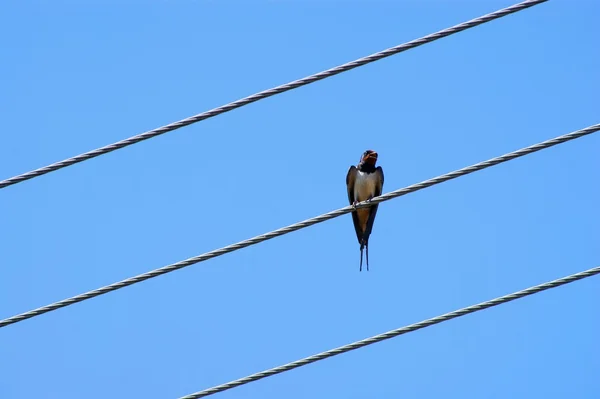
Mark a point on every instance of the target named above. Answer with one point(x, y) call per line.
point(378, 190)
point(350, 180)
point(379, 173)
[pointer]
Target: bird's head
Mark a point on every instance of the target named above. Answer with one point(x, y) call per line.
point(369, 157)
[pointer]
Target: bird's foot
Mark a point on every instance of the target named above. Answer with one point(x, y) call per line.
point(354, 204)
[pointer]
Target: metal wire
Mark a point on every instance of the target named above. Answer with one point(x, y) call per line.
point(297, 226)
point(268, 93)
point(395, 333)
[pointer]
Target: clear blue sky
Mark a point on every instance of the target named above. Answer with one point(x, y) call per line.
point(78, 76)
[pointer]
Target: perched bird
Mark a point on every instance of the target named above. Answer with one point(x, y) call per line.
point(364, 182)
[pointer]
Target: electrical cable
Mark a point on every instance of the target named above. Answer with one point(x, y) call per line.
point(297, 226)
point(268, 93)
point(395, 333)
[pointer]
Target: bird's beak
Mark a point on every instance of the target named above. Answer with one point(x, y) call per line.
point(372, 156)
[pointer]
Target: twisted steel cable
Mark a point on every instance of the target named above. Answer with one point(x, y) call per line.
point(297, 226)
point(268, 93)
point(396, 332)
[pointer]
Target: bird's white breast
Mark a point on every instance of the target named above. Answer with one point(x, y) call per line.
point(364, 186)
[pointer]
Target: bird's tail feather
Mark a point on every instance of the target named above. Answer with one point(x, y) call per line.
point(364, 244)
point(361, 257)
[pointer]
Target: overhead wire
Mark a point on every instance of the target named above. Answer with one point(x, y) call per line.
point(394, 333)
point(268, 93)
point(297, 226)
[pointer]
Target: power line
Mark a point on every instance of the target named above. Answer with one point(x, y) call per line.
point(395, 333)
point(268, 93)
point(297, 226)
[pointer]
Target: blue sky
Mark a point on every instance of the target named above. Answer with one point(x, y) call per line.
point(78, 76)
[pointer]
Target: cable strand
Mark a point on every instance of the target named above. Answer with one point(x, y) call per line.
point(268, 93)
point(394, 333)
point(297, 226)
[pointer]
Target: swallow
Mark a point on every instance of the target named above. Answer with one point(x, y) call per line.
point(364, 181)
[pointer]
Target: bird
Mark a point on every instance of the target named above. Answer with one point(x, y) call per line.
point(363, 182)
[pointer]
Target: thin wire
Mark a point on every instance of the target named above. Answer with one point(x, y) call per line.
point(268, 93)
point(297, 226)
point(395, 333)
